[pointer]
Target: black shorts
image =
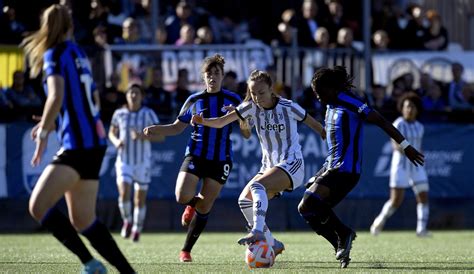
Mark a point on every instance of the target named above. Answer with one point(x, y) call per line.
point(339, 183)
point(86, 162)
point(203, 168)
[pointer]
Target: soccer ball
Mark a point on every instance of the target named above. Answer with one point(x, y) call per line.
point(259, 255)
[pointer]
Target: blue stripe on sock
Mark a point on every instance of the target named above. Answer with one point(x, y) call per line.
point(201, 215)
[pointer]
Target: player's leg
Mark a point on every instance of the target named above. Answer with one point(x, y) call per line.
point(124, 186)
point(267, 185)
point(51, 186)
point(390, 206)
point(422, 208)
point(186, 184)
point(81, 201)
point(139, 210)
point(209, 193)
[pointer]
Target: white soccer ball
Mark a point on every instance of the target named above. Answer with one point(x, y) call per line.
point(259, 255)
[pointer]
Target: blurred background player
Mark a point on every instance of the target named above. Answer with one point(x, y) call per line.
point(208, 154)
point(275, 120)
point(74, 171)
point(133, 162)
point(341, 171)
point(403, 174)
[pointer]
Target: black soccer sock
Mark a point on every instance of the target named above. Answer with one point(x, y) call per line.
point(194, 201)
point(195, 228)
point(58, 224)
point(321, 217)
point(101, 239)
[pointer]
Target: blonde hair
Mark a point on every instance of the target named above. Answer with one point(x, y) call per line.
point(56, 22)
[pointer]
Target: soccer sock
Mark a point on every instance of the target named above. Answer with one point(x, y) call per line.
point(125, 210)
point(260, 205)
point(138, 218)
point(246, 206)
point(101, 239)
point(193, 201)
point(387, 211)
point(195, 228)
point(62, 229)
point(422, 212)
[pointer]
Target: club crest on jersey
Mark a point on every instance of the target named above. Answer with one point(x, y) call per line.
point(191, 165)
point(272, 127)
point(362, 108)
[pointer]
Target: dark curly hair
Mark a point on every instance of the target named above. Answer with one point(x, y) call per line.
point(326, 80)
point(212, 61)
point(412, 97)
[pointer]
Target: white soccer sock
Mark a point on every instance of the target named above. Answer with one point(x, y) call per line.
point(246, 206)
point(125, 210)
point(260, 205)
point(422, 213)
point(387, 211)
point(138, 218)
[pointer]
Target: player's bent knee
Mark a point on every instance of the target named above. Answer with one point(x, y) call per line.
point(420, 188)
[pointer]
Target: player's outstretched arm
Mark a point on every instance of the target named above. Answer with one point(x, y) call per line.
point(414, 155)
point(315, 126)
point(218, 122)
point(165, 130)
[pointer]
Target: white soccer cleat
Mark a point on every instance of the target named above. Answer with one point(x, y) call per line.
point(376, 228)
point(424, 234)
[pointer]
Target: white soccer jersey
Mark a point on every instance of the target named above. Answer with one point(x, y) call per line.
point(134, 152)
point(403, 172)
point(277, 130)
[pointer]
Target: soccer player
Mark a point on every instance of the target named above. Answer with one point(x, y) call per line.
point(71, 109)
point(208, 154)
point(275, 120)
point(133, 158)
point(402, 173)
point(345, 115)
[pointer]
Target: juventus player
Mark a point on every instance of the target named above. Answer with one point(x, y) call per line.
point(275, 120)
point(133, 158)
point(402, 173)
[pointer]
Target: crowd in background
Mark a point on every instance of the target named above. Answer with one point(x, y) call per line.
point(323, 24)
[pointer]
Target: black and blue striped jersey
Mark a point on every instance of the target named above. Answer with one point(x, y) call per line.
point(344, 126)
point(206, 142)
point(78, 123)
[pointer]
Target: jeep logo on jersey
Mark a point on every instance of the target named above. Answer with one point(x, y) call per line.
point(272, 127)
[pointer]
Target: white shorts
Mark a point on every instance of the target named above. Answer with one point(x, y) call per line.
point(404, 178)
point(295, 170)
point(139, 174)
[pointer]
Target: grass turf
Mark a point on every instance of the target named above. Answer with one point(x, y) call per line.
point(446, 251)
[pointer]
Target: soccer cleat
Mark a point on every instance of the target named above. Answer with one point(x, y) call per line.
point(424, 234)
point(252, 237)
point(126, 229)
point(278, 247)
point(135, 236)
point(93, 267)
point(376, 228)
point(345, 262)
point(188, 215)
point(345, 245)
point(185, 257)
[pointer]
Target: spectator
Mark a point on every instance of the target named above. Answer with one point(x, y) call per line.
point(161, 35)
point(25, 101)
point(455, 87)
point(184, 15)
point(436, 38)
point(322, 38)
point(230, 81)
point(416, 28)
point(182, 92)
point(337, 20)
point(12, 29)
point(130, 33)
point(426, 83)
point(307, 26)
point(396, 28)
point(157, 98)
point(433, 100)
point(111, 98)
point(204, 36)
point(465, 101)
point(380, 40)
point(186, 35)
point(378, 98)
point(286, 35)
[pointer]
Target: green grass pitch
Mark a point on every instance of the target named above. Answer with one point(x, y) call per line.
point(446, 251)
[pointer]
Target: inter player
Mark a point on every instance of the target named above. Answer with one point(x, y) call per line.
point(402, 173)
point(133, 158)
point(275, 120)
point(74, 171)
point(341, 171)
point(208, 155)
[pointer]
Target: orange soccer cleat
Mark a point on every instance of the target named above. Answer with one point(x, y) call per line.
point(185, 257)
point(188, 215)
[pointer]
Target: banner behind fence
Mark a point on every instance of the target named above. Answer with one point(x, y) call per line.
point(449, 158)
